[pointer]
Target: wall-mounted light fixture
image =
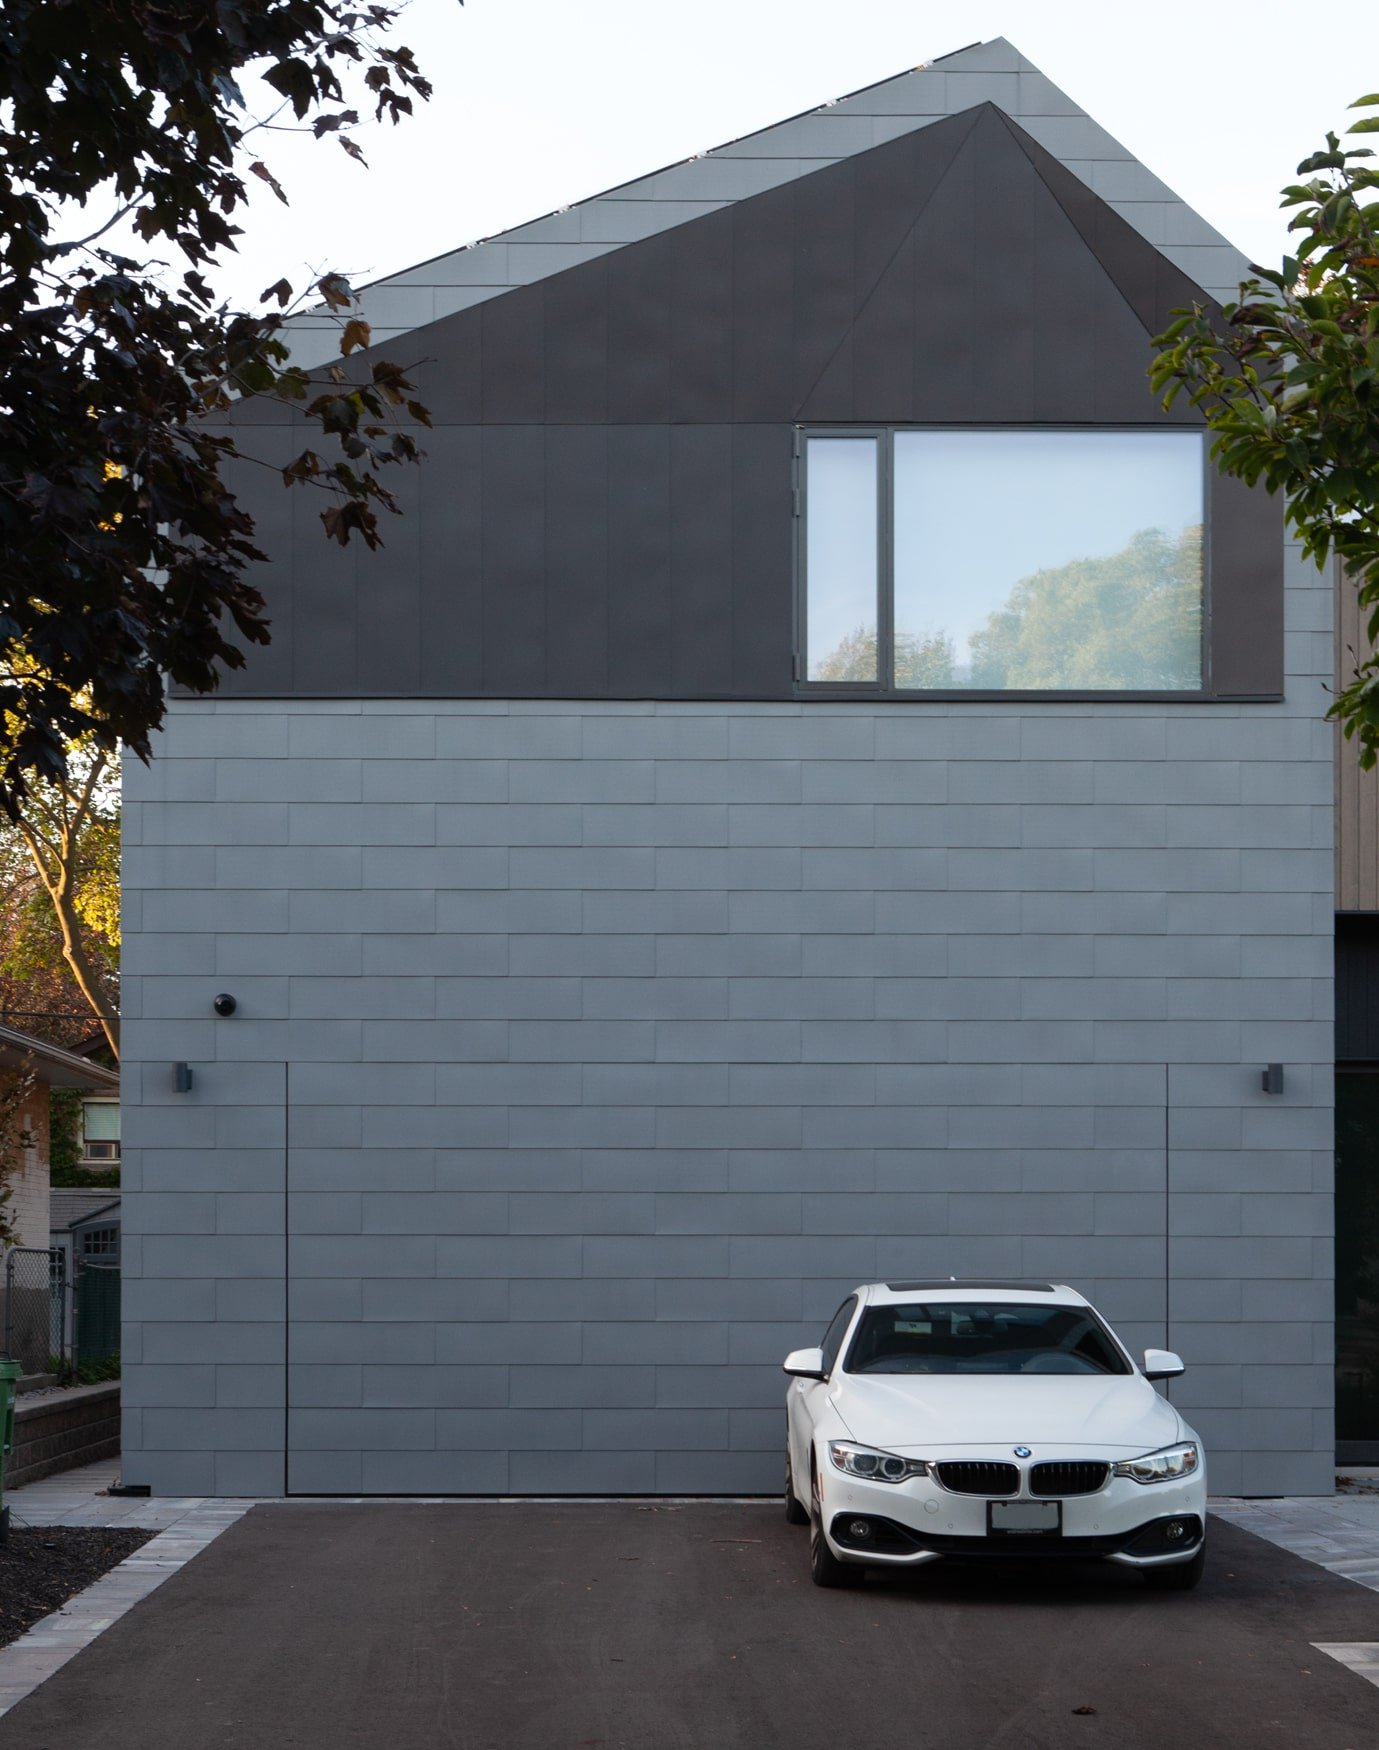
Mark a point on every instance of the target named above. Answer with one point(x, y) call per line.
point(181, 1078)
point(1272, 1079)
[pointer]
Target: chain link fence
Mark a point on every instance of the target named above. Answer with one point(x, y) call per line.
point(35, 1308)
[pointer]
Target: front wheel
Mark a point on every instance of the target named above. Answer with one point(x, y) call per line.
point(1181, 1577)
point(795, 1513)
point(824, 1567)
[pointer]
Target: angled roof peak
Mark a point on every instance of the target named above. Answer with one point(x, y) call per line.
point(54, 1065)
point(993, 72)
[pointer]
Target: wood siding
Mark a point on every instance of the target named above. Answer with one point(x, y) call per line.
point(1357, 792)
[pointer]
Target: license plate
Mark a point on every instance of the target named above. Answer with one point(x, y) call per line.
point(1024, 1518)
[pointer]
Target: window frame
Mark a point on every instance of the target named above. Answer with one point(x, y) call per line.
point(884, 688)
point(100, 1151)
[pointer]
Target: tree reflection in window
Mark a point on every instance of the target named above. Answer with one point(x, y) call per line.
point(920, 661)
point(991, 560)
point(1129, 621)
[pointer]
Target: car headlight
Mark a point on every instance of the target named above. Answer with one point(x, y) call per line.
point(876, 1467)
point(1160, 1467)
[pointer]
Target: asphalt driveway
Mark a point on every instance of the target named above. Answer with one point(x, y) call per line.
point(656, 1627)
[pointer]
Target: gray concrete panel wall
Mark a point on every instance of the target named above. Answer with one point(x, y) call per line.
point(587, 1053)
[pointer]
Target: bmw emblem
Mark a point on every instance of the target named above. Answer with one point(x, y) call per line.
point(1022, 1452)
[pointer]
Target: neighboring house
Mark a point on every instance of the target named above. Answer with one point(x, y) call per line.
point(823, 783)
point(28, 1061)
point(30, 1323)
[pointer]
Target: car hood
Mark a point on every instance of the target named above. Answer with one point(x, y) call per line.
point(912, 1415)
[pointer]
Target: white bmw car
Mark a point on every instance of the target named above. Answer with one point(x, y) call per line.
point(990, 1419)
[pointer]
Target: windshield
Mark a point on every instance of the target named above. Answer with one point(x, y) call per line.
point(963, 1337)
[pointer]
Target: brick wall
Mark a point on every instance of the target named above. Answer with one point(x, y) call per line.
point(28, 1165)
point(59, 1432)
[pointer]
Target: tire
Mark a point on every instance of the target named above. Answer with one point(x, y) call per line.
point(1181, 1577)
point(795, 1513)
point(824, 1567)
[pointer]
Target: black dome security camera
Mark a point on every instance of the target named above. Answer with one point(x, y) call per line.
point(224, 1004)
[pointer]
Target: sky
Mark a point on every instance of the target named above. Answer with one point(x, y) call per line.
point(541, 103)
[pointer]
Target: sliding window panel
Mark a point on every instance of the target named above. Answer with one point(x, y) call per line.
point(842, 550)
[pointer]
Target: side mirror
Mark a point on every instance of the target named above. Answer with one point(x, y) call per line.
point(1162, 1364)
point(805, 1364)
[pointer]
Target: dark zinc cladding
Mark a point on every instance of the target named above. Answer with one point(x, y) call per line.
point(606, 507)
point(962, 1337)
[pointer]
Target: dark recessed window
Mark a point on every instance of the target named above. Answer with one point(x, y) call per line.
point(1002, 561)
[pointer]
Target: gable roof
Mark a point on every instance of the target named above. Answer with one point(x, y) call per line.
point(818, 301)
point(53, 1064)
point(993, 72)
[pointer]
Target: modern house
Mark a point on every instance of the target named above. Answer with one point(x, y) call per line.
point(824, 783)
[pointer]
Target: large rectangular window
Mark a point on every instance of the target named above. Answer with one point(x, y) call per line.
point(1004, 561)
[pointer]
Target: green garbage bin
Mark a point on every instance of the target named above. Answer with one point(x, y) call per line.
point(9, 1380)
